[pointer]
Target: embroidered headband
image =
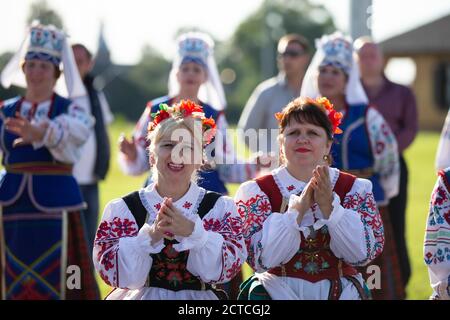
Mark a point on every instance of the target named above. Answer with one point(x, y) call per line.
point(183, 109)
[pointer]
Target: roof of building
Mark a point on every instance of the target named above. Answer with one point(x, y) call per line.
point(432, 37)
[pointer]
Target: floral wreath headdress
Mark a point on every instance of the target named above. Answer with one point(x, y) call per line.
point(183, 109)
point(326, 106)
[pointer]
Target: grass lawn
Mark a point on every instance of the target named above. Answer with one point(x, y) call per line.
point(420, 158)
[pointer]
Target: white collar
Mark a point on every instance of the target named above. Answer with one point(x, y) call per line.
point(187, 204)
point(290, 185)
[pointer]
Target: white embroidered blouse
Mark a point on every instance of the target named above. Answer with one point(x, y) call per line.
point(273, 238)
point(122, 252)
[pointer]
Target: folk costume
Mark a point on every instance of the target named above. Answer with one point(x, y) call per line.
point(316, 259)
point(367, 148)
point(437, 238)
point(41, 231)
point(174, 268)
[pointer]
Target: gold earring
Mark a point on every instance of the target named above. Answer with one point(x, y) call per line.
point(326, 158)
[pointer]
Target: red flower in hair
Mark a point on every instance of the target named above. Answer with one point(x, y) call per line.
point(159, 116)
point(188, 107)
point(279, 116)
point(183, 109)
point(334, 116)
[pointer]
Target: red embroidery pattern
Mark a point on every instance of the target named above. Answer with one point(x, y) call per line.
point(366, 206)
point(187, 205)
point(290, 188)
point(106, 246)
point(157, 206)
point(253, 212)
point(230, 227)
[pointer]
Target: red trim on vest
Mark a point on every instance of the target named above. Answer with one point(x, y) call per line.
point(268, 185)
point(314, 261)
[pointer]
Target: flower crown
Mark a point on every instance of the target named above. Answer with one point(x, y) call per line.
point(334, 116)
point(183, 109)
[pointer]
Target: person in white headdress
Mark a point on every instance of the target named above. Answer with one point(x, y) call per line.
point(41, 232)
point(194, 77)
point(367, 148)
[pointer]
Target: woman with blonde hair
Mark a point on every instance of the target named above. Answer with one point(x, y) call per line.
point(171, 239)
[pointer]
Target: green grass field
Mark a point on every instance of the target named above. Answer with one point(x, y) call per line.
point(420, 158)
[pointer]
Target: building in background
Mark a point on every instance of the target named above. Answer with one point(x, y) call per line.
point(429, 49)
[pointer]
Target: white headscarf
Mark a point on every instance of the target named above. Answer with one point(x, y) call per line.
point(337, 50)
point(69, 83)
point(199, 47)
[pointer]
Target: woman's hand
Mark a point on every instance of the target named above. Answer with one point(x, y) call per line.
point(128, 147)
point(173, 221)
point(323, 192)
point(265, 160)
point(304, 202)
point(27, 132)
point(155, 232)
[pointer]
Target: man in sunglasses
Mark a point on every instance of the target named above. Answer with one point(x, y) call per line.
point(273, 94)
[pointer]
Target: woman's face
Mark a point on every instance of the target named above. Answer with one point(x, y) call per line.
point(304, 144)
point(331, 81)
point(176, 160)
point(39, 75)
point(191, 76)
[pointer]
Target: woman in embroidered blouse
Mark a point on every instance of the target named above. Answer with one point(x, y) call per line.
point(142, 262)
point(367, 148)
point(40, 137)
point(306, 247)
point(437, 234)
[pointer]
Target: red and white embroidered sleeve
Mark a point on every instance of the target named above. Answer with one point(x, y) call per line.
point(254, 207)
point(112, 228)
point(229, 225)
point(364, 203)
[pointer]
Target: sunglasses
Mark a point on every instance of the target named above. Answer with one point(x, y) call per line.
point(291, 53)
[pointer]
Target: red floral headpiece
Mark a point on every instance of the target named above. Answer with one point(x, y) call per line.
point(183, 109)
point(334, 116)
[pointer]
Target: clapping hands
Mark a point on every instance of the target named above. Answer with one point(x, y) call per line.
point(318, 190)
point(170, 222)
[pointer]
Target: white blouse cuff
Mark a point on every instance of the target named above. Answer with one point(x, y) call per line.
point(40, 144)
point(196, 240)
point(143, 241)
point(292, 215)
point(336, 214)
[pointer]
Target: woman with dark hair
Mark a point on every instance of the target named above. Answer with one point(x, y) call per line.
point(307, 225)
point(367, 148)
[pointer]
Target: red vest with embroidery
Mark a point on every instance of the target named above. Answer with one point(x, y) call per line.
point(314, 260)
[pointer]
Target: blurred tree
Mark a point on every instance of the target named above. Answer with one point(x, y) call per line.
point(12, 91)
point(41, 11)
point(131, 87)
point(250, 55)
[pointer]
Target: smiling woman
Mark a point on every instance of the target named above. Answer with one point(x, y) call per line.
point(40, 137)
point(171, 239)
point(306, 225)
